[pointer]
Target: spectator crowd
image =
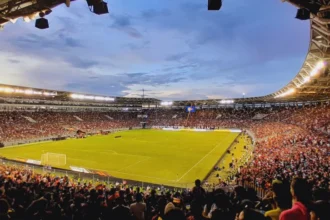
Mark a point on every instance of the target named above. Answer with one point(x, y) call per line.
point(291, 162)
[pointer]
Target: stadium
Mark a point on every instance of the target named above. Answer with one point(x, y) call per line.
point(65, 154)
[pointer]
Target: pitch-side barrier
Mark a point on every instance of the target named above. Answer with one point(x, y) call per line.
point(180, 128)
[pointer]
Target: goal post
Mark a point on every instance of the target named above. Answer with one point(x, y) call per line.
point(53, 159)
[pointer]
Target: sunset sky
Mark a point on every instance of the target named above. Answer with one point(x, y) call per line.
point(174, 49)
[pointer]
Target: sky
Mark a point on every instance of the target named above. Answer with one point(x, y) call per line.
point(174, 49)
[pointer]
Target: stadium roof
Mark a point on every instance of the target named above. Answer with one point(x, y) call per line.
point(10, 10)
point(10, 91)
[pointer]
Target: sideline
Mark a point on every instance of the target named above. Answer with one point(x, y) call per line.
point(216, 146)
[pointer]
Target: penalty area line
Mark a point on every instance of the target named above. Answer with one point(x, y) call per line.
point(112, 152)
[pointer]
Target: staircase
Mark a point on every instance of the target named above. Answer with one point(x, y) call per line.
point(79, 119)
point(108, 117)
point(29, 119)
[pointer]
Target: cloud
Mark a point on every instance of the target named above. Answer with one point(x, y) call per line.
point(177, 49)
point(81, 63)
point(137, 46)
point(70, 42)
point(123, 23)
point(37, 42)
point(13, 61)
point(153, 13)
point(101, 88)
point(176, 57)
point(179, 68)
point(135, 75)
point(148, 79)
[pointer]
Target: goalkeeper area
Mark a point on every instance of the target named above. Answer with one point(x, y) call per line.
point(174, 158)
point(53, 159)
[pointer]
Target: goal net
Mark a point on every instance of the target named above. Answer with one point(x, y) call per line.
point(53, 159)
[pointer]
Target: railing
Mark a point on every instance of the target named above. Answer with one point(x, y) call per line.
point(261, 192)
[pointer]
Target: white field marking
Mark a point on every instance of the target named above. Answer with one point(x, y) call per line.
point(133, 164)
point(115, 153)
point(113, 171)
point(216, 146)
point(94, 151)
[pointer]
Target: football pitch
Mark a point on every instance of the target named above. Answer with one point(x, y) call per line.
point(174, 158)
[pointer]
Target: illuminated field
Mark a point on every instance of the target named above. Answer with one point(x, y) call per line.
point(174, 158)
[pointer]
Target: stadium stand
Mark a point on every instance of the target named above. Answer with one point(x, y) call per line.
point(16, 129)
point(287, 144)
point(285, 175)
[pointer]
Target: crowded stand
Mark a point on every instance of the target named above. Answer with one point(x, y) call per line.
point(290, 161)
point(21, 126)
point(27, 195)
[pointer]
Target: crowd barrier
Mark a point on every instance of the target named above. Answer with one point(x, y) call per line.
point(261, 192)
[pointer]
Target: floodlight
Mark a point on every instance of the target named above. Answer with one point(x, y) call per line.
point(100, 8)
point(26, 19)
point(109, 99)
point(303, 14)
point(37, 93)
point(13, 20)
point(32, 16)
point(214, 5)
point(166, 103)
point(28, 92)
point(290, 91)
point(9, 90)
point(226, 101)
point(314, 72)
point(42, 23)
point(320, 65)
point(307, 79)
point(92, 2)
point(90, 97)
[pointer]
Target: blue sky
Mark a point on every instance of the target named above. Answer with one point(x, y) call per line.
point(174, 49)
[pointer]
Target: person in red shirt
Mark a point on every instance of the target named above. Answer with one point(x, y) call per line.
point(301, 199)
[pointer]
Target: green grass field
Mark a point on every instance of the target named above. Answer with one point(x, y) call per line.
point(163, 157)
